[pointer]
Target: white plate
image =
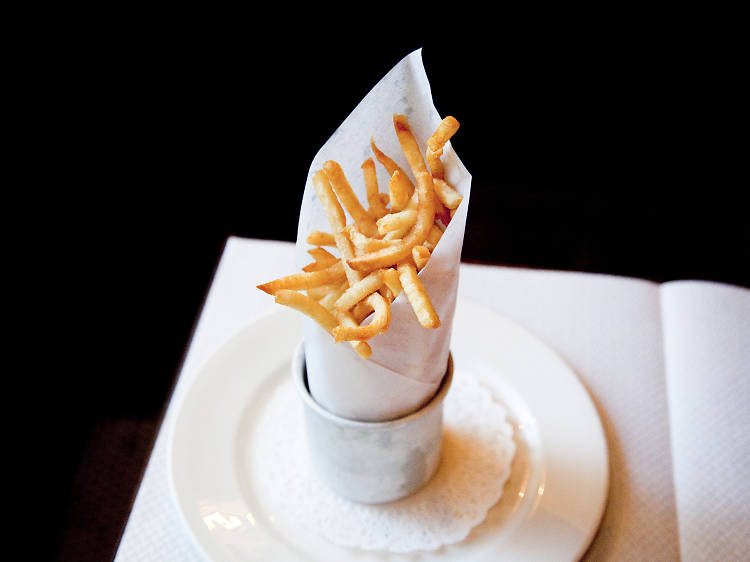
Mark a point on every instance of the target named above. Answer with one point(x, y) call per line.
point(551, 505)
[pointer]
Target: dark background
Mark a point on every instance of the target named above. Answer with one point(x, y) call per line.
point(610, 151)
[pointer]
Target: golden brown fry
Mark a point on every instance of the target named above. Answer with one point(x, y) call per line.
point(308, 306)
point(447, 195)
point(400, 190)
point(409, 145)
point(361, 347)
point(361, 311)
point(391, 280)
point(323, 258)
point(365, 223)
point(360, 290)
point(417, 296)
point(321, 254)
point(318, 293)
point(421, 256)
point(332, 293)
point(387, 162)
point(433, 237)
point(364, 244)
point(401, 221)
point(307, 280)
point(445, 130)
point(426, 207)
point(320, 265)
point(377, 208)
point(378, 323)
point(318, 238)
point(337, 222)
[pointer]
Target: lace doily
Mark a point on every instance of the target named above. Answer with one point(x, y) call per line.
point(476, 459)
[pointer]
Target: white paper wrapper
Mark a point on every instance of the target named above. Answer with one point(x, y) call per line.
point(408, 361)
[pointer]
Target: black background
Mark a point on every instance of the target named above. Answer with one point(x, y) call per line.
point(605, 149)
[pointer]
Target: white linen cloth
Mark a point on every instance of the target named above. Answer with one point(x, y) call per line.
point(609, 330)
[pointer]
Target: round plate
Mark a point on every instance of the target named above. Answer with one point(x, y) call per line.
point(551, 504)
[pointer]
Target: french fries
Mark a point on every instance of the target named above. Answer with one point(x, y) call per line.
point(381, 252)
point(377, 207)
point(435, 144)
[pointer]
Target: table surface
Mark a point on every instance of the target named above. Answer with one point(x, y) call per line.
point(596, 178)
point(593, 321)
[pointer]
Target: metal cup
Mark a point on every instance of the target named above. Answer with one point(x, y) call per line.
point(373, 462)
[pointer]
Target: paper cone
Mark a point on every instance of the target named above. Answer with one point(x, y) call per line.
point(408, 361)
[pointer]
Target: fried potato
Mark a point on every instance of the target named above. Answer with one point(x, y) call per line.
point(417, 296)
point(388, 163)
point(309, 307)
point(377, 208)
point(447, 195)
point(401, 221)
point(360, 290)
point(318, 238)
point(445, 130)
point(363, 244)
point(391, 280)
point(421, 256)
point(426, 207)
point(378, 323)
point(433, 237)
point(327, 295)
point(307, 280)
point(364, 221)
point(321, 254)
point(350, 295)
point(361, 347)
point(400, 190)
point(337, 222)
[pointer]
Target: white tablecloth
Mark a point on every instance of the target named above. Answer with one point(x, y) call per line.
point(607, 328)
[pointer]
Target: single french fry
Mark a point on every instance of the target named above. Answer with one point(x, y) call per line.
point(400, 190)
point(377, 208)
point(317, 293)
point(361, 311)
point(421, 256)
point(417, 296)
point(388, 163)
point(308, 306)
point(426, 207)
point(378, 323)
point(401, 221)
point(364, 244)
point(391, 280)
point(359, 291)
point(319, 238)
point(365, 223)
point(433, 237)
point(445, 130)
point(332, 293)
point(307, 280)
point(337, 222)
point(387, 293)
point(319, 265)
point(447, 195)
point(361, 347)
point(321, 254)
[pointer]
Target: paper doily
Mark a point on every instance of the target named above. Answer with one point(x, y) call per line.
point(476, 459)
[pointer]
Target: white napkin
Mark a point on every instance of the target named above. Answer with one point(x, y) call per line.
point(408, 361)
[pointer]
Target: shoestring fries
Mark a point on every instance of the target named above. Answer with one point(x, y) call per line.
point(381, 252)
